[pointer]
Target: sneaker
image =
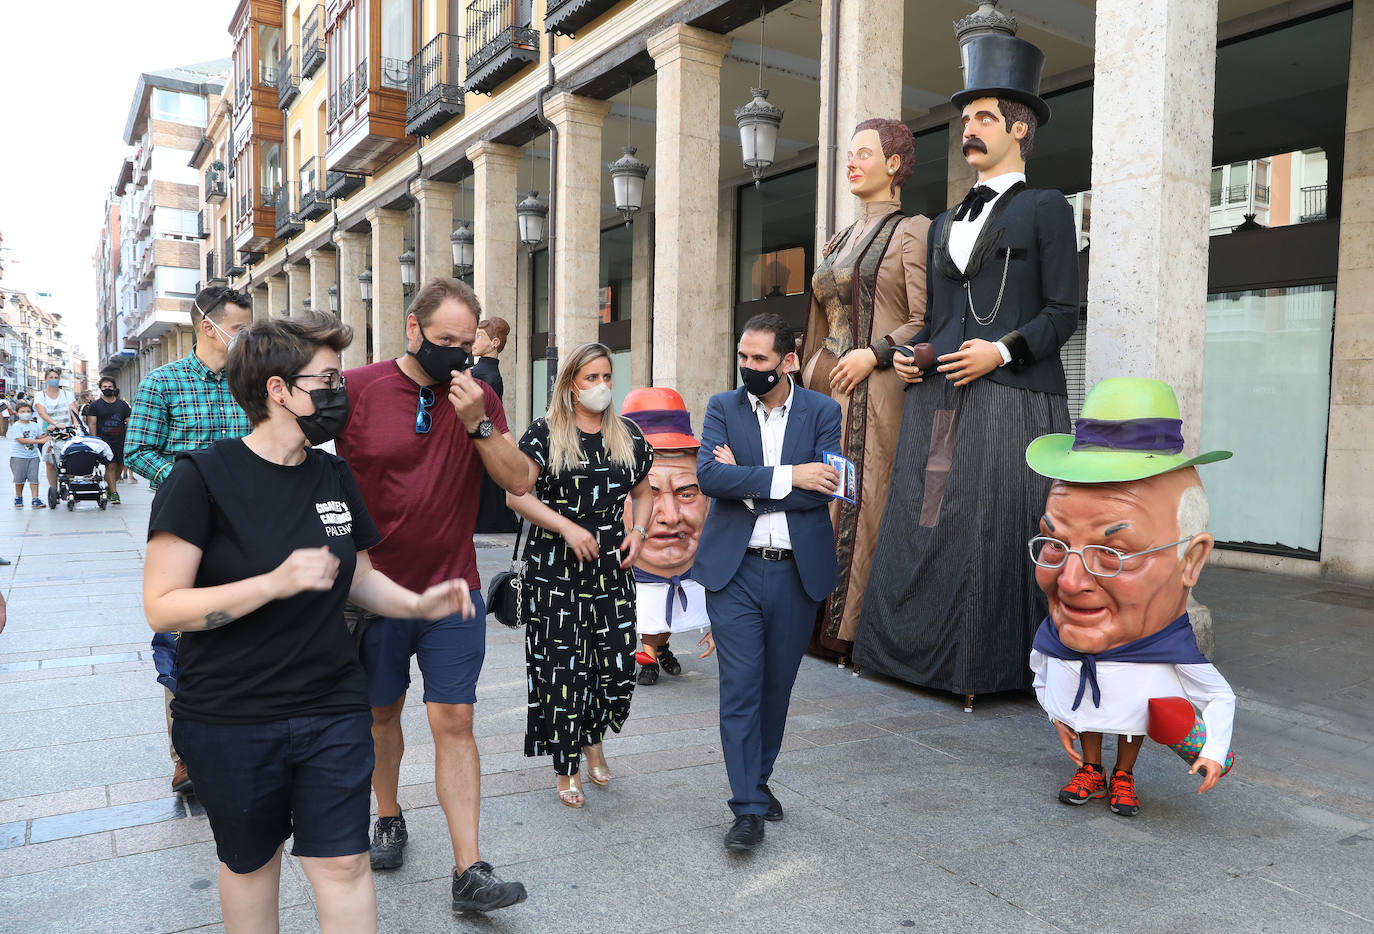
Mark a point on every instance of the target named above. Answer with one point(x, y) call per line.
point(39, 504)
point(389, 842)
point(648, 674)
point(1087, 783)
point(478, 889)
point(1123, 800)
point(668, 661)
point(19, 502)
point(114, 499)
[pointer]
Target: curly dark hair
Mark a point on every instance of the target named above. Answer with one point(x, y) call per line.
point(897, 140)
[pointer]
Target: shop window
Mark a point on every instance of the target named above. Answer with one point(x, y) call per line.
point(928, 188)
point(777, 216)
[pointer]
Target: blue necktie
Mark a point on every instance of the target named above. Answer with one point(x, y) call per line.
point(675, 588)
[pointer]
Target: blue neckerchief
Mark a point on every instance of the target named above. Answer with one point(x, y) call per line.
point(675, 588)
point(1175, 644)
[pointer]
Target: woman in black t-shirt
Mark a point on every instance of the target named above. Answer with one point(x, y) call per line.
point(254, 545)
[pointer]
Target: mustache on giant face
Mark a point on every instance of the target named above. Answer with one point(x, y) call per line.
point(974, 144)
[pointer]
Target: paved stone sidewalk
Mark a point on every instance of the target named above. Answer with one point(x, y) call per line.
point(903, 812)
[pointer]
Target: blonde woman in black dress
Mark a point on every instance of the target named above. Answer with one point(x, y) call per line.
point(577, 587)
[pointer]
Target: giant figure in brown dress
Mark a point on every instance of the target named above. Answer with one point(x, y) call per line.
point(868, 295)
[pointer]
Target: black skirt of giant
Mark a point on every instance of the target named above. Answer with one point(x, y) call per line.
point(580, 637)
point(951, 601)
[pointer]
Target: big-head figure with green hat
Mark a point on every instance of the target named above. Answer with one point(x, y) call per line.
point(1122, 541)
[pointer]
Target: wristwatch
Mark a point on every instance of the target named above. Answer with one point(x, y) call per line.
point(484, 429)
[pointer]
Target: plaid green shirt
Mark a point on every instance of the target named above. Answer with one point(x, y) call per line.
point(179, 407)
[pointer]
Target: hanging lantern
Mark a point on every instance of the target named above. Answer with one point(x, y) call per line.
point(333, 299)
point(365, 284)
point(627, 178)
point(305, 303)
point(533, 214)
point(407, 261)
point(758, 132)
point(462, 241)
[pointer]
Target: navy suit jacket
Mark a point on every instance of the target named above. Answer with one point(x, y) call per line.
point(813, 426)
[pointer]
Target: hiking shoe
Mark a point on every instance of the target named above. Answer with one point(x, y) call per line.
point(668, 661)
point(39, 504)
point(648, 674)
point(1087, 783)
point(1123, 800)
point(478, 889)
point(388, 843)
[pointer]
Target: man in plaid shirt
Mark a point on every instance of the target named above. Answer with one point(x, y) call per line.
point(180, 407)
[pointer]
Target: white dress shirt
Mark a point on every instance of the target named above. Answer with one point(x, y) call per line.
point(770, 529)
point(1126, 691)
point(963, 234)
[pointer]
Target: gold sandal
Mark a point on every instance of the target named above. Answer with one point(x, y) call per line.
point(601, 777)
point(572, 796)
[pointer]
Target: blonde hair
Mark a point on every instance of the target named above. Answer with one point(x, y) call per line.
point(565, 444)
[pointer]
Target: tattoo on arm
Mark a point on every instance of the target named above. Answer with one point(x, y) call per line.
point(217, 619)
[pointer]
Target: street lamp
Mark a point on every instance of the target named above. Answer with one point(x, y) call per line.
point(463, 248)
point(532, 213)
point(627, 179)
point(334, 299)
point(407, 260)
point(365, 284)
point(759, 121)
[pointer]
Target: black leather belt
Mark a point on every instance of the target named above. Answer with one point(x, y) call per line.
point(771, 554)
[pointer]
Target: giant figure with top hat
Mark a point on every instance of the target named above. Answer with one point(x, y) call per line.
point(951, 601)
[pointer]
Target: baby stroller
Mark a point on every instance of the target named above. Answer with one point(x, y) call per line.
point(81, 461)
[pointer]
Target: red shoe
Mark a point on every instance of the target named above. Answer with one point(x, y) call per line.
point(1087, 783)
point(1123, 799)
point(644, 658)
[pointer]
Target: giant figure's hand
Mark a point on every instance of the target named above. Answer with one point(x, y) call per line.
point(975, 358)
point(856, 367)
point(904, 362)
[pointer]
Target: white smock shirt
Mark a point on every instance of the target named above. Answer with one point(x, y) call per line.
point(651, 603)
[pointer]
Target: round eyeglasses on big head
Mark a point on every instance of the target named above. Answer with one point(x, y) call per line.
point(1098, 560)
point(423, 420)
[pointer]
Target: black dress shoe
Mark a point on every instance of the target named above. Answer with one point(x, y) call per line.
point(745, 833)
point(774, 811)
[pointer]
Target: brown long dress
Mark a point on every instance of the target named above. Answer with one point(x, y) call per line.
point(869, 284)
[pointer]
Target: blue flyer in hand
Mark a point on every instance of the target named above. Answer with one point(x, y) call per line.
point(848, 476)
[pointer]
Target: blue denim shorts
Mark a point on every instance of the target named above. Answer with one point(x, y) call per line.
point(260, 783)
point(450, 651)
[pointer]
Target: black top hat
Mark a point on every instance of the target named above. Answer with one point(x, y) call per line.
point(1003, 66)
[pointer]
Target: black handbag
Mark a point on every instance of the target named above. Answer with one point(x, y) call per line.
point(503, 593)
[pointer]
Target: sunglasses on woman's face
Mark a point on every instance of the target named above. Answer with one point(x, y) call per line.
point(423, 420)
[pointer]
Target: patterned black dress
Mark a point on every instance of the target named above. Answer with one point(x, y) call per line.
point(580, 639)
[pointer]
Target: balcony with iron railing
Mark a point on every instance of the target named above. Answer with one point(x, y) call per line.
point(360, 79)
point(341, 184)
point(395, 73)
point(202, 226)
point(565, 17)
point(314, 203)
point(498, 46)
point(434, 90)
point(215, 188)
point(345, 94)
point(1313, 204)
point(289, 222)
point(312, 42)
point(288, 79)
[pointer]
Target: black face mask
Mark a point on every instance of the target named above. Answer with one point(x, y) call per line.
point(109, 393)
point(438, 361)
point(758, 382)
point(329, 418)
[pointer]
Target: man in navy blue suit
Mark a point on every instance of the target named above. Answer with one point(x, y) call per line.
point(767, 554)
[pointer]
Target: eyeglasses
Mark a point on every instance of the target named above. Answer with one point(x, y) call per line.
point(423, 420)
point(336, 380)
point(1098, 560)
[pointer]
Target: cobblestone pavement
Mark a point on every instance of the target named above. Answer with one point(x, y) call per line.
point(903, 812)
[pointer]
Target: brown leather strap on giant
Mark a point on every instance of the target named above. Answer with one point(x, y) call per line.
point(938, 462)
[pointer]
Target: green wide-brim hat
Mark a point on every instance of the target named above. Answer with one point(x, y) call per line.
point(1129, 429)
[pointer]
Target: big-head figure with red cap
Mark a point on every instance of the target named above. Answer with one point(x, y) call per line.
point(1121, 543)
point(668, 600)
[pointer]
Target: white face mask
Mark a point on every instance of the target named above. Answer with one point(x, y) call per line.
point(26, 416)
point(597, 399)
point(224, 336)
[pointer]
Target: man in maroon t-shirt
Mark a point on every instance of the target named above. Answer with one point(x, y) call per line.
point(418, 452)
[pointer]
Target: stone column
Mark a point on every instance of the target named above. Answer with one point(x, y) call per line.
point(522, 331)
point(352, 310)
point(323, 267)
point(691, 328)
point(959, 177)
point(642, 299)
point(1348, 519)
point(494, 226)
point(1153, 96)
point(261, 303)
point(298, 276)
point(577, 251)
point(435, 223)
point(870, 72)
point(388, 301)
point(276, 296)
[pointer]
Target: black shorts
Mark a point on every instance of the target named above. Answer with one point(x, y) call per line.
point(308, 777)
point(117, 446)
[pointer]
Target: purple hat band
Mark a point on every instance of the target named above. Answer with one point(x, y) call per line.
point(662, 421)
point(1154, 435)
